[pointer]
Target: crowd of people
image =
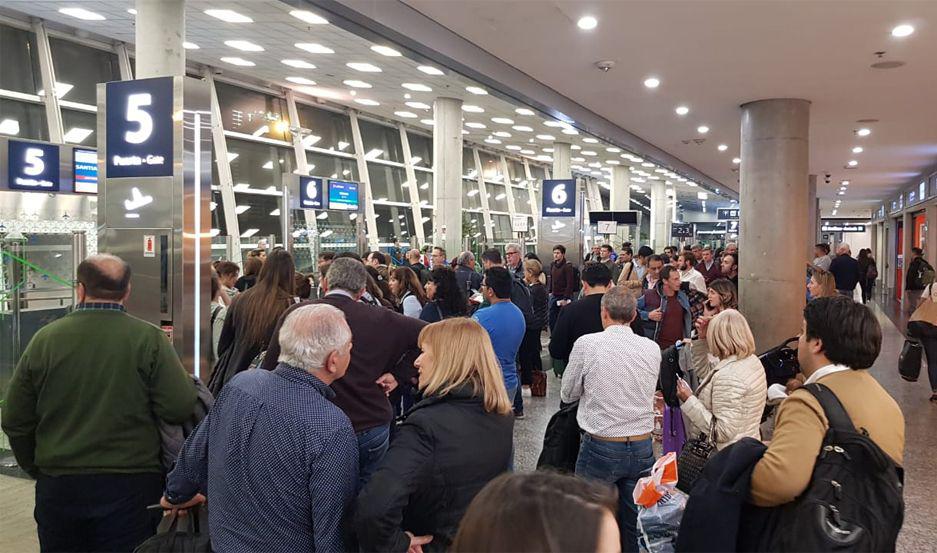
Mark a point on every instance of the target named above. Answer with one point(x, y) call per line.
point(371, 405)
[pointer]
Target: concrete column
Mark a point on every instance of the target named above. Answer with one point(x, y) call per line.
point(659, 216)
point(159, 37)
point(561, 161)
point(813, 215)
point(447, 174)
point(620, 196)
point(774, 195)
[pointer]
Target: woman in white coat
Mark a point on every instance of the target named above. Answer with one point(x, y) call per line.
point(733, 390)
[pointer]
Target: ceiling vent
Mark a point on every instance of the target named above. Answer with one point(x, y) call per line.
point(697, 141)
point(887, 65)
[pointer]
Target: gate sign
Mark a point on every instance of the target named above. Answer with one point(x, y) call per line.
point(33, 166)
point(139, 128)
point(841, 227)
point(681, 230)
point(559, 198)
point(310, 193)
point(727, 214)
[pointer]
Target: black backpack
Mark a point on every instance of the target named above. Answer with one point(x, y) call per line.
point(854, 500)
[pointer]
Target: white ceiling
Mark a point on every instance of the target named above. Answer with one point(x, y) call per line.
point(713, 56)
point(277, 32)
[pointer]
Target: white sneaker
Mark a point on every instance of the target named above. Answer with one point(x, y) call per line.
point(525, 391)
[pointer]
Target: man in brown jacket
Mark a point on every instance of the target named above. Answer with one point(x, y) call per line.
point(839, 341)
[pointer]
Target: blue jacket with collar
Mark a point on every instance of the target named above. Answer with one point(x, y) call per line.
point(655, 297)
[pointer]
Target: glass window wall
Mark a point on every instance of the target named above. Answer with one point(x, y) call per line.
point(491, 167)
point(331, 167)
point(80, 127)
point(388, 184)
point(255, 113)
point(497, 197)
point(257, 172)
point(79, 69)
point(522, 200)
point(23, 120)
point(20, 62)
point(421, 149)
point(424, 183)
point(394, 222)
point(502, 228)
point(516, 172)
point(330, 130)
point(380, 141)
point(472, 199)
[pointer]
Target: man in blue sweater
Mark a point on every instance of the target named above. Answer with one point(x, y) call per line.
point(504, 323)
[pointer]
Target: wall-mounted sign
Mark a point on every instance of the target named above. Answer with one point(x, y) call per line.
point(33, 166)
point(520, 223)
point(922, 190)
point(310, 193)
point(681, 230)
point(85, 171)
point(732, 227)
point(727, 214)
point(841, 227)
point(343, 195)
point(607, 227)
point(912, 197)
point(139, 128)
point(629, 217)
point(559, 198)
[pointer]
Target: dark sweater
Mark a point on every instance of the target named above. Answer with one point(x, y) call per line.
point(562, 283)
point(581, 317)
point(84, 394)
point(845, 271)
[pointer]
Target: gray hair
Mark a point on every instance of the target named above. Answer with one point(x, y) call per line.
point(843, 248)
point(347, 274)
point(619, 304)
point(465, 258)
point(513, 246)
point(310, 333)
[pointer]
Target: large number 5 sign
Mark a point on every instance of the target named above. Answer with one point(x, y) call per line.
point(34, 164)
point(137, 115)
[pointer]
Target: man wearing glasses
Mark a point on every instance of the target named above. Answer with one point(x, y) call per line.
point(514, 260)
point(438, 257)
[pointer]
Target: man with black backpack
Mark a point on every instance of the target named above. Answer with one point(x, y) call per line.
point(833, 466)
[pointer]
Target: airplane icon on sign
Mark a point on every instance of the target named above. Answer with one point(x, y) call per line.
point(137, 200)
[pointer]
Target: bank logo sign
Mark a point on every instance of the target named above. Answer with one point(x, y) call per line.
point(139, 128)
point(559, 198)
point(33, 166)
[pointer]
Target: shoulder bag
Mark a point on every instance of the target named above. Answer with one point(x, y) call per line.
point(693, 458)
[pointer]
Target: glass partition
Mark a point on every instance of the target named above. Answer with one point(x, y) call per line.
point(251, 112)
point(23, 120)
point(79, 69)
point(421, 149)
point(330, 130)
point(20, 61)
point(380, 141)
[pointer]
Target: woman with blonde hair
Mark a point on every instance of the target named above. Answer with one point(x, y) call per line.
point(450, 445)
point(728, 404)
point(822, 285)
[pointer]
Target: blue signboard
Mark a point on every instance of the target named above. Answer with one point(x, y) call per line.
point(85, 171)
point(310, 193)
point(727, 213)
point(343, 195)
point(139, 128)
point(33, 166)
point(559, 198)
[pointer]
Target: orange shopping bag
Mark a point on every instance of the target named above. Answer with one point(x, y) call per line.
point(650, 489)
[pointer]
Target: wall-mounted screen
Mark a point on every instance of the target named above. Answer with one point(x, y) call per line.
point(85, 171)
point(343, 195)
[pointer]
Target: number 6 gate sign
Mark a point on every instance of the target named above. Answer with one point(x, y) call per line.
point(139, 128)
point(559, 198)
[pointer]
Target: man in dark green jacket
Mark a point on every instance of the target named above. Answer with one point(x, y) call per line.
point(81, 415)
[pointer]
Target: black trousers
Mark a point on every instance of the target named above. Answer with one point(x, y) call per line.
point(927, 334)
point(97, 512)
point(529, 356)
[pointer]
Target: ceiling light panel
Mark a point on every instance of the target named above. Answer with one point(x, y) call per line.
point(314, 48)
point(229, 16)
point(301, 80)
point(309, 17)
point(355, 83)
point(240, 62)
point(417, 87)
point(469, 108)
point(83, 14)
point(524, 111)
point(298, 64)
point(364, 67)
point(244, 45)
point(190, 45)
point(478, 91)
point(430, 70)
point(386, 51)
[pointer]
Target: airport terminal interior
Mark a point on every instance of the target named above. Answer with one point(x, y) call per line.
point(192, 138)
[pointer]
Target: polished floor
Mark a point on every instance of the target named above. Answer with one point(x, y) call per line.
point(919, 533)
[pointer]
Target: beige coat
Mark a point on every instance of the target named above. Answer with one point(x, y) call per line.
point(733, 391)
point(631, 282)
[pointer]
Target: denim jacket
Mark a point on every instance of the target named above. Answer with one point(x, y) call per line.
point(651, 328)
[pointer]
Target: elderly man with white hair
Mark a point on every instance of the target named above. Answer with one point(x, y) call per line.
point(845, 270)
point(277, 458)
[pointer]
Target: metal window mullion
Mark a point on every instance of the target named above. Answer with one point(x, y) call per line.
point(534, 208)
point(414, 187)
point(226, 182)
point(123, 61)
point(483, 191)
point(508, 188)
point(47, 73)
point(365, 178)
point(302, 164)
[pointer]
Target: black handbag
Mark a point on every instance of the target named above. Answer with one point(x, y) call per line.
point(693, 458)
point(180, 534)
point(780, 363)
point(909, 362)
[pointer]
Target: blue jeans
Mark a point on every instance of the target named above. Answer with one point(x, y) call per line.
point(372, 446)
point(620, 464)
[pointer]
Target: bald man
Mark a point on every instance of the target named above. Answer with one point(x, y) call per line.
point(81, 413)
point(413, 261)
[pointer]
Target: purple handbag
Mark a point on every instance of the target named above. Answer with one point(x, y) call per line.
point(674, 433)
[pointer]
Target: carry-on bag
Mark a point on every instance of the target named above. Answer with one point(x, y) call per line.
point(909, 362)
point(538, 387)
point(180, 534)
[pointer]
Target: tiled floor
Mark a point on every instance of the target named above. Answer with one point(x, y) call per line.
point(17, 529)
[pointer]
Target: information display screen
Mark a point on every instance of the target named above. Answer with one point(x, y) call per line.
point(310, 193)
point(85, 171)
point(139, 128)
point(343, 195)
point(681, 230)
point(33, 166)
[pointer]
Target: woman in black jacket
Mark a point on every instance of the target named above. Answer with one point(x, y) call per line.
point(445, 297)
point(450, 445)
point(530, 363)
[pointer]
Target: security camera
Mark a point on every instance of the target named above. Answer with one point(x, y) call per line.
point(605, 65)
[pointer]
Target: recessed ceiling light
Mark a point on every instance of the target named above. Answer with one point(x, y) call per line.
point(239, 62)
point(502, 134)
point(546, 137)
point(406, 114)
point(613, 150)
point(844, 183)
point(857, 150)
point(864, 132)
point(244, 45)
point(81, 13)
point(550, 123)
point(647, 164)
point(363, 67)
point(366, 102)
point(524, 111)
point(652, 82)
point(77, 135)
point(417, 87)
point(587, 23)
point(386, 51)
point(528, 152)
point(229, 16)
point(473, 109)
point(502, 120)
point(852, 163)
point(190, 45)
point(590, 140)
point(465, 131)
point(132, 11)
point(476, 90)
point(491, 140)
point(722, 147)
point(902, 31)
point(430, 70)
point(309, 17)
point(569, 130)
point(702, 129)
point(589, 153)
point(298, 64)
point(301, 80)
point(613, 162)
point(355, 83)
point(522, 128)
point(314, 48)
point(429, 122)
point(682, 110)
point(473, 125)
point(513, 147)
point(575, 147)
point(736, 160)
point(577, 158)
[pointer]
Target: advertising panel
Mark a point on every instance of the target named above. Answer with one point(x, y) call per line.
point(85, 171)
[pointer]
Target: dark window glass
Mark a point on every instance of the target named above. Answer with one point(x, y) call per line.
point(421, 149)
point(394, 222)
point(20, 63)
point(331, 167)
point(380, 142)
point(502, 227)
point(427, 215)
point(522, 200)
point(80, 127)
point(491, 167)
point(472, 199)
point(329, 130)
point(537, 173)
point(257, 171)
point(468, 164)
point(79, 69)
point(516, 171)
point(388, 184)
point(249, 112)
point(23, 120)
point(425, 187)
point(497, 197)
